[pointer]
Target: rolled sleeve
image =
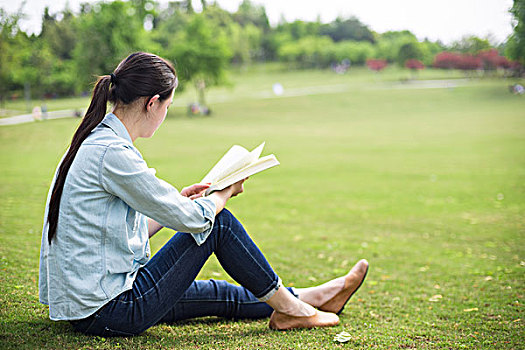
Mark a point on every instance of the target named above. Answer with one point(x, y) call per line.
point(125, 174)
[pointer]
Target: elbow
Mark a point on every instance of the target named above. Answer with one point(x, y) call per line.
point(197, 228)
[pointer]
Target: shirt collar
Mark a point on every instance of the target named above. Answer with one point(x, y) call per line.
point(116, 125)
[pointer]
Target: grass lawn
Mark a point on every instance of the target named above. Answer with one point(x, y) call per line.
point(425, 183)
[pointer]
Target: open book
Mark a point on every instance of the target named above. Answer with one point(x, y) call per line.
point(237, 164)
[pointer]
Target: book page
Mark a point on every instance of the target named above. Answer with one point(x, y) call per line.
point(254, 168)
point(236, 158)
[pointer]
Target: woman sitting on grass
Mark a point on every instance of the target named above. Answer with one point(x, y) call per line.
point(105, 204)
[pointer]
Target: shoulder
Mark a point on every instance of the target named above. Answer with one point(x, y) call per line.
point(105, 138)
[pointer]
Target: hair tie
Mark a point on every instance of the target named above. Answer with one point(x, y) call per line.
point(113, 78)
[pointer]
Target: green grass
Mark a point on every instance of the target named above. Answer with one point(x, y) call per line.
point(427, 184)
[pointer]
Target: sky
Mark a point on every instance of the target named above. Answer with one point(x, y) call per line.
point(445, 20)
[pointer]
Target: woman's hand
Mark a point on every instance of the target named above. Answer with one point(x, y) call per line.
point(194, 191)
point(237, 188)
point(221, 197)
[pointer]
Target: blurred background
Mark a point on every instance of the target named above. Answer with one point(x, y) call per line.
point(52, 49)
point(399, 125)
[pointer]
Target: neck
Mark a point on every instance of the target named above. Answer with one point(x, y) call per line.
point(130, 117)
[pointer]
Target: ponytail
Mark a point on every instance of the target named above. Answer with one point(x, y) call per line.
point(94, 115)
point(139, 75)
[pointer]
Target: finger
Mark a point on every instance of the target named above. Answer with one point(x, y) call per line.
point(199, 187)
point(195, 196)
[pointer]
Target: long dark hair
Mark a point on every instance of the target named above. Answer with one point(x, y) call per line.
point(139, 75)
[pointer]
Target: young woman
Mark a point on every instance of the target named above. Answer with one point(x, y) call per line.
point(105, 203)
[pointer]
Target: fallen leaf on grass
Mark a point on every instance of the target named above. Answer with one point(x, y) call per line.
point(488, 278)
point(342, 337)
point(436, 298)
point(470, 310)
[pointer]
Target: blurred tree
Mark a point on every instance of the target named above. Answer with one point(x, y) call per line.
point(309, 52)
point(491, 60)
point(249, 13)
point(286, 33)
point(515, 47)
point(446, 60)
point(59, 33)
point(389, 43)
point(347, 29)
point(414, 64)
point(243, 30)
point(34, 65)
point(25, 61)
point(144, 8)
point(107, 32)
point(244, 41)
point(170, 22)
point(429, 50)
point(299, 29)
point(8, 47)
point(355, 51)
point(409, 51)
point(201, 55)
point(471, 45)
point(449, 60)
point(376, 65)
point(217, 16)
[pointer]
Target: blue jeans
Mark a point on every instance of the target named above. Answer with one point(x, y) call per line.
point(165, 289)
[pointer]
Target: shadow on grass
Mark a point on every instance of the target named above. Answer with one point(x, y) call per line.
point(44, 333)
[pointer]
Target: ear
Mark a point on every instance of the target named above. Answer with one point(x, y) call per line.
point(151, 101)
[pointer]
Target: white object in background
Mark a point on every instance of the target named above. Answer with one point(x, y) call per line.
point(278, 89)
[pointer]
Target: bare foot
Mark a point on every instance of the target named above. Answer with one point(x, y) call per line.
point(282, 322)
point(352, 282)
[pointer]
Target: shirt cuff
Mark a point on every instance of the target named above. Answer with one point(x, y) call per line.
point(208, 211)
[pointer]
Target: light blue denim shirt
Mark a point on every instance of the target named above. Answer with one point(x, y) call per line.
point(102, 235)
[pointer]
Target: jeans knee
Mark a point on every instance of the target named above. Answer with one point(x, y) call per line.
point(225, 218)
point(226, 224)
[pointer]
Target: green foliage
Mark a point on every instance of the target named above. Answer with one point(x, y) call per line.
point(8, 49)
point(471, 45)
point(59, 34)
point(429, 50)
point(250, 14)
point(200, 54)
point(311, 51)
point(389, 44)
point(356, 51)
point(74, 48)
point(347, 29)
point(299, 29)
point(244, 42)
point(409, 51)
point(107, 32)
point(515, 48)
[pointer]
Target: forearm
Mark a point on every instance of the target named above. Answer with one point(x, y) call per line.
point(153, 227)
point(219, 198)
